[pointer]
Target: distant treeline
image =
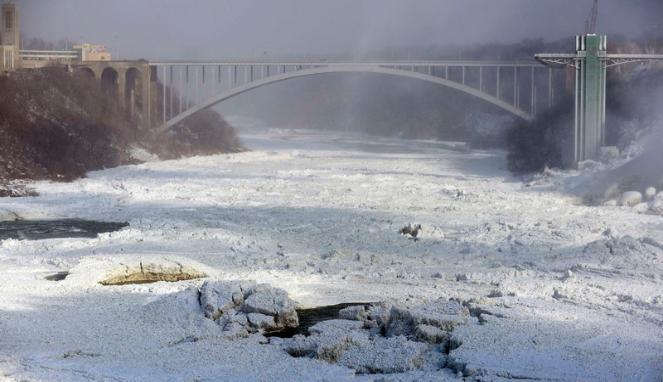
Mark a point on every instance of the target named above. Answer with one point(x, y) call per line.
point(41, 44)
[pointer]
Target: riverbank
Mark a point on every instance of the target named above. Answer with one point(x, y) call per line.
point(556, 290)
point(58, 126)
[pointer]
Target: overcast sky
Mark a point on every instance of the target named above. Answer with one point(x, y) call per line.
point(253, 28)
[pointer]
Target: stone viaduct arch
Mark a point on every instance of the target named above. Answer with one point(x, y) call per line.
point(109, 81)
point(129, 81)
point(85, 72)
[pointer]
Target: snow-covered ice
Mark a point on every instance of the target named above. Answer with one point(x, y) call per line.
point(555, 290)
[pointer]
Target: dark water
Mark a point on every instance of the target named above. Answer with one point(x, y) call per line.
point(54, 229)
point(310, 317)
point(57, 276)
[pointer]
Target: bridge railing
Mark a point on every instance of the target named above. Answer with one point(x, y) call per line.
point(418, 63)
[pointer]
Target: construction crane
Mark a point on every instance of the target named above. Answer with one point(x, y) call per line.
point(590, 23)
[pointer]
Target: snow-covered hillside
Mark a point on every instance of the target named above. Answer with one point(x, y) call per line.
point(555, 290)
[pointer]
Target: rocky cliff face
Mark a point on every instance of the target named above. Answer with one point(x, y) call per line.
point(56, 125)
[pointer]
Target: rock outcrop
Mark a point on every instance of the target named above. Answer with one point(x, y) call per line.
point(382, 339)
point(244, 307)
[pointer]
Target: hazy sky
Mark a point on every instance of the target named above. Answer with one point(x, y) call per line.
point(251, 28)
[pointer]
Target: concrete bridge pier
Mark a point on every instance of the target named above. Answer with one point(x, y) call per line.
point(590, 98)
point(590, 63)
point(121, 86)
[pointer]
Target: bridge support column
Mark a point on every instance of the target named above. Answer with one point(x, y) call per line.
point(146, 96)
point(589, 125)
point(121, 86)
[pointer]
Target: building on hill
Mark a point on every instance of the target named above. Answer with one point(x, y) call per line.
point(9, 38)
point(11, 57)
point(90, 52)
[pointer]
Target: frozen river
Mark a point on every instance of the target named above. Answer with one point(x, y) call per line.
point(562, 291)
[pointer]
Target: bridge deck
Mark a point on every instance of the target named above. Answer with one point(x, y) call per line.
point(417, 63)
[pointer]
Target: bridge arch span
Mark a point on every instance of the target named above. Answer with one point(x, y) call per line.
point(110, 79)
point(85, 72)
point(343, 69)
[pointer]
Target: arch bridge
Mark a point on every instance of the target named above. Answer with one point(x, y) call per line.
point(518, 87)
point(165, 93)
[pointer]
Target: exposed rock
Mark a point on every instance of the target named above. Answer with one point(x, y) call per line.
point(60, 132)
point(142, 273)
point(630, 198)
point(240, 306)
